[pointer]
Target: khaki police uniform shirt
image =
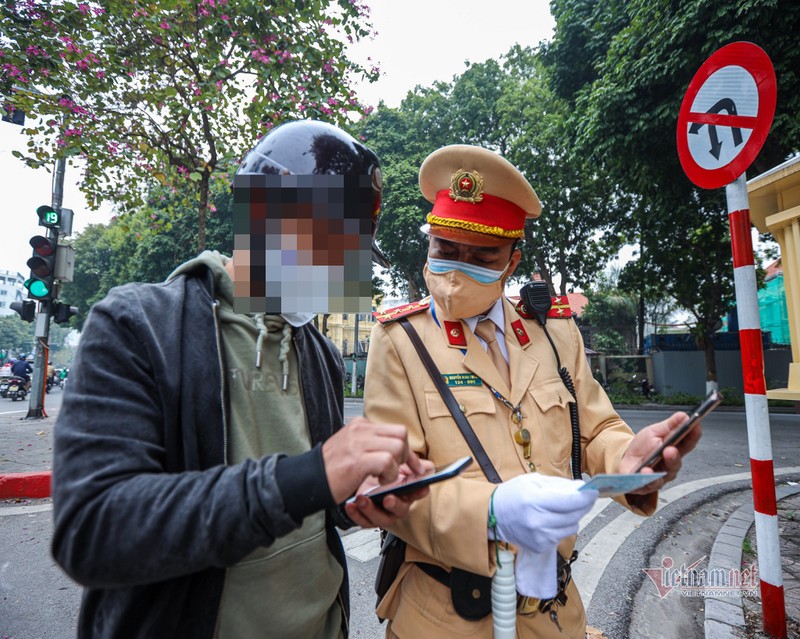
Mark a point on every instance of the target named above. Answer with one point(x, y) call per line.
point(449, 528)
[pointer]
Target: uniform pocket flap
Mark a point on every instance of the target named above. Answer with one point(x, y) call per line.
point(469, 400)
point(549, 394)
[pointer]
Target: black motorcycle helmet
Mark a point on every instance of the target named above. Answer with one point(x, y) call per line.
point(311, 147)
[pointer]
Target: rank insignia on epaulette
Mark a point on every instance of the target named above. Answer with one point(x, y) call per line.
point(560, 308)
point(405, 310)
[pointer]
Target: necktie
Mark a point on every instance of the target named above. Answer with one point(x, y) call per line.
point(486, 331)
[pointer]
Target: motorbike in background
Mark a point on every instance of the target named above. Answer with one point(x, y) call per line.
point(16, 389)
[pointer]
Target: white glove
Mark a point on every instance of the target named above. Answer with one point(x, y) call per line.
point(536, 574)
point(536, 511)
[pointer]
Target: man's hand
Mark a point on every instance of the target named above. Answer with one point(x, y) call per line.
point(368, 514)
point(648, 440)
point(361, 449)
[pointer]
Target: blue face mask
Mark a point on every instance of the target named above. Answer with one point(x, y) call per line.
point(477, 273)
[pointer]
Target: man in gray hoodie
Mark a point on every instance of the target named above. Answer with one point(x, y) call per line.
point(201, 461)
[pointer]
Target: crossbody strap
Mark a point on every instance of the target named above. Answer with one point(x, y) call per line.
point(447, 395)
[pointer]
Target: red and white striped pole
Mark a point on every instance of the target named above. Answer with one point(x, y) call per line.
point(757, 411)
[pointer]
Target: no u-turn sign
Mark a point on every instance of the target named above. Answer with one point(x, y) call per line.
point(726, 114)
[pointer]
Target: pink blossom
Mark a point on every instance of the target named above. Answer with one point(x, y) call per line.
point(83, 8)
point(212, 208)
point(225, 17)
point(100, 75)
point(165, 26)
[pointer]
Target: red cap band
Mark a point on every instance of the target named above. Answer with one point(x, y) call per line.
point(492, 216)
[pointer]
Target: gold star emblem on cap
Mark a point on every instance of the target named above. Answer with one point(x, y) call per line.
point(466, 186)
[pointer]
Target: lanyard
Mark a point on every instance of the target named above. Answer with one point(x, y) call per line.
point(516, 414)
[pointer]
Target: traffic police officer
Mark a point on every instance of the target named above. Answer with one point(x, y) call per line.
point(506, 382)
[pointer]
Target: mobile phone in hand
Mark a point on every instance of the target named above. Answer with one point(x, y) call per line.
point(703, 409)
point(410, 485)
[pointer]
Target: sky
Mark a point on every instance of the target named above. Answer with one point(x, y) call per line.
point(418, 42)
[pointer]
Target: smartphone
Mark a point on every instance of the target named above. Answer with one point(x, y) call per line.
point(703, 409)
point(409, 485)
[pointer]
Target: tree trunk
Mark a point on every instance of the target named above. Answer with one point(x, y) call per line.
point(544, 273)
point(641, 323)
point(414, 294)
point(202, 212)
point(711, 363)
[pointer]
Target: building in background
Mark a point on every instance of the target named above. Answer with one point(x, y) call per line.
point(342, 331)
point(772, 305)
point(11, 290)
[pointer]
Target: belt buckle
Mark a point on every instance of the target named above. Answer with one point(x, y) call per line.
point(527, 605)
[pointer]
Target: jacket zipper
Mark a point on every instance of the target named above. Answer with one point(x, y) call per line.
point(218, 333)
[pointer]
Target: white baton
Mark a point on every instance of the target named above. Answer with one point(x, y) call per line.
point(504, 596)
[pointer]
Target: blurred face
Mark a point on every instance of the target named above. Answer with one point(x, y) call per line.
point(302, 243)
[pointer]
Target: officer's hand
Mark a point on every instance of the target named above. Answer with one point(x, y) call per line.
point(367, 514)
point(536, 511)
point(648, 440)
point(362, 449)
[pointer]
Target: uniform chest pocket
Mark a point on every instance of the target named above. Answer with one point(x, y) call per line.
point(552, 420)
point(444, 439)
point(470, 401)
point(550, 394)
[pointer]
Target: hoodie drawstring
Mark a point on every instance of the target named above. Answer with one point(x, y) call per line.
point(283, 354)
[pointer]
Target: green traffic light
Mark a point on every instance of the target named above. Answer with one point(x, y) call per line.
point(38, 289)
point(48, 216)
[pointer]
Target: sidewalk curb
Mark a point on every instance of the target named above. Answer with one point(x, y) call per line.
point(724, 616)
point(30, 485)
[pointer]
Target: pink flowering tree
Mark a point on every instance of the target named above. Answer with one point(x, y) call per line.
point(172, 91)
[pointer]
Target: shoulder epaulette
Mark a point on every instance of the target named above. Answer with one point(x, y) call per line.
point(402, 311)
point(559, 309)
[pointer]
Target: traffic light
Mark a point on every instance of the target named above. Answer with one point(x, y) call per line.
point(49, 217)
point(26, 309)
point(62, 312)
point(40, 284)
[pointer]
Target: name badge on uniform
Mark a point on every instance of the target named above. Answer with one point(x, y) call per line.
point(462, 379)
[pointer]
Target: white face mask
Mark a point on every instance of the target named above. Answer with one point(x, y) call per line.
point(461, 295)
point(298, 319)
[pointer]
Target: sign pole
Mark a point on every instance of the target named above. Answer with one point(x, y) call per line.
point(757, 411)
